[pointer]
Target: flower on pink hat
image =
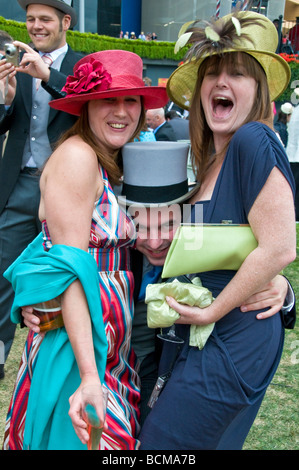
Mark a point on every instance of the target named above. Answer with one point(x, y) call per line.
point(89, 76)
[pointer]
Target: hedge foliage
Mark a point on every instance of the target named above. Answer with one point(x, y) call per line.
point(154, 50)
point(88, 42)
point(289, 95)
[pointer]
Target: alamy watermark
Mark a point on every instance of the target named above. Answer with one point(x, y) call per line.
point(294, 95)
point(163, 222)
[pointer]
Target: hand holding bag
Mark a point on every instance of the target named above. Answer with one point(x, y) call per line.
point(161, 315)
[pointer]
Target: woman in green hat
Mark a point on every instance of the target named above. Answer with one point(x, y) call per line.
point(228, 81)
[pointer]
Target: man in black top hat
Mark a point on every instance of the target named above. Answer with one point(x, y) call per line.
point(33, 131)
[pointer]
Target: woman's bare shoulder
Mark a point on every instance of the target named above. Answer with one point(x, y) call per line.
point(73, 160)
point(72, 153)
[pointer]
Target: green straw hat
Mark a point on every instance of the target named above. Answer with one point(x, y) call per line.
point(244, 31)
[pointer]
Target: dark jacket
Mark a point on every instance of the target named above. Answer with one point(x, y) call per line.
point(180, 127)
point(165, 132)
point(282, 130)
point(16, 120)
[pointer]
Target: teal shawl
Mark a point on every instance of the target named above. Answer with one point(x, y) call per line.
point(37, 276)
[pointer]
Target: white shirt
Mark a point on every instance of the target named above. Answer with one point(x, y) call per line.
point(57, 56)
point(293, 137)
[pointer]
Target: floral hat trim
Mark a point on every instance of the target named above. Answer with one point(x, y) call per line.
point(88, 77)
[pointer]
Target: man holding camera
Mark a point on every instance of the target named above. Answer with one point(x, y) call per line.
point(33, 130)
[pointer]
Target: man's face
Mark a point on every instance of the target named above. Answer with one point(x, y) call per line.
point(46, 30)
point(151, 119)
point(156, 228)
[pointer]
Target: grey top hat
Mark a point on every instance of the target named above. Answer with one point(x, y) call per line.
point(62, 5)
point(155, 173)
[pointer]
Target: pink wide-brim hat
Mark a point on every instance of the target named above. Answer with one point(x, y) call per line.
point(124, 71)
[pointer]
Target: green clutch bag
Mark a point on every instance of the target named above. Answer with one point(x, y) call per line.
point(161, 315)
point(198, 248)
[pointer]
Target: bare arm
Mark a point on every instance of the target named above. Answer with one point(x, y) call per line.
point(272, 221)
point(70, 186)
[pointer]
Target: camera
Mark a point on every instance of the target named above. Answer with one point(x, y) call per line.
point(12, 54)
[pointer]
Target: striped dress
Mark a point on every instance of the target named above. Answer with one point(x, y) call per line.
point(112, 234)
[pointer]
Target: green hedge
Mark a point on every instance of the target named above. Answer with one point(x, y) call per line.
point(17, 30)
point(88, 42)
point(155, 50)
point(294, 83)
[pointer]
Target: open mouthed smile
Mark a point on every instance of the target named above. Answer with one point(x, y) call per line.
point(158, 253)
point(39, 36)
point(221, 106)
point(116, 125)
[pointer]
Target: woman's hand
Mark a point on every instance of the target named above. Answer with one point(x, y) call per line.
point(89, 392)
point(31, 320)
point(271, 296)
point(191, 315)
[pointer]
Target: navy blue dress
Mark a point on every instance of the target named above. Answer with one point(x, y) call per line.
point(213, 395)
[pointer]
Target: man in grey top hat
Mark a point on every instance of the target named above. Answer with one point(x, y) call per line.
point(156, 192)
point(155, 188)
point(33, 130)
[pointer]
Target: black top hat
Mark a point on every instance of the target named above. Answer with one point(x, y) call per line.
point(155, 173)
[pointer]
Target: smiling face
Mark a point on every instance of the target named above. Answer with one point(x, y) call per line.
point(46, 27)
point(228, 93)
point(156, 227)
point(114, 120)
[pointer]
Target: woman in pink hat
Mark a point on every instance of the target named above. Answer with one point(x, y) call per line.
point(80, 214)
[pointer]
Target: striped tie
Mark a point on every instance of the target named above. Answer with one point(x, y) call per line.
point(48, 60)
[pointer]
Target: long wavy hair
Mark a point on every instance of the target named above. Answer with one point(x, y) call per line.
point(201, 136)
point(112, 162)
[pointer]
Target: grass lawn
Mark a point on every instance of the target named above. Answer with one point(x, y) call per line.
point(276, 426)
point(277, 423)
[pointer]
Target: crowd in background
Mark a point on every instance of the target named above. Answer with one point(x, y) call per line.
point(142, 36)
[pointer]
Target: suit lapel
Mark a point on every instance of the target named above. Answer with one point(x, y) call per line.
point(66, 68)
point(67, 63)
point(25, 85)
